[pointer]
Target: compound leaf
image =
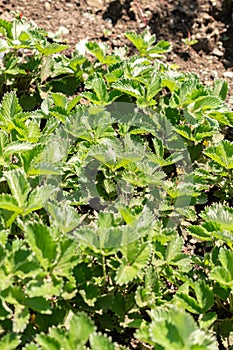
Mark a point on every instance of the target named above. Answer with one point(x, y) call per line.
point(136, 257)
point(41, 243)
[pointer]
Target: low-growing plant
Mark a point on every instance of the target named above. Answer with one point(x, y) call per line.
point(116, 201)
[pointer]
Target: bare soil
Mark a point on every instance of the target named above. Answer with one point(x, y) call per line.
point(208, 21)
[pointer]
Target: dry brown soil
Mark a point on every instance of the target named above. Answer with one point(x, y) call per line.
point(210, 22)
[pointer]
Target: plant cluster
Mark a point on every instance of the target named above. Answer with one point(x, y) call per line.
point(116, 215)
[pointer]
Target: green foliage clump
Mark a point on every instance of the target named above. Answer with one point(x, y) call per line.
point(116, 214)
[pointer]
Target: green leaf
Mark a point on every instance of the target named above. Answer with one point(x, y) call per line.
point(129, 86)
point(207, 103)
point(66, 258)
point(98, 85)
point(6, 28)
point(47, 343)
point(222, 153)
point(189, 303)
point(222, 276)
point(154, 86)
point(72, 103)
point(18, 147)
point(44, 287)
point(99, 341)
point(9, 107)
point(59, 99)
point(9, 341)
point(98, 50)
point(226, 259)
point(173, 328)
point(19, 186)
point(141, 42)
point(20, 318)
point(30, 157)
point(44, 168)
point(41, 243)
point(220, 88)
point(38, 198)
point(200, 232)
point(174, 248)
point(161, 47)
point(50, 49)
point(136, 257)
point(220, 214)
point(80, 327)
point(9, 203)
point(3, 144)
point(38, 304)
point(143, 296)
point(207, 319)
point(145, 41)
point(204, 298)
point(223, 117)
point(64, 217)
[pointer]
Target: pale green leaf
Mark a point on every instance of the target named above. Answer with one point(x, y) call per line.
point(99, 341)
point(41, 243)
point(59, 99)
point(10, 106)
point(98, 85)
point(130, 87)
point(20, 318)
point(207, 320)
point(10, 341)
point(64, 217)
point(38, 198)
point(207, 103)
point(222, 153)
point(9, 203)
point(136, 257)
point(175, 329)
point(220, 214)
point(98, 50)
point(226, 259)
point(19, 186)
point(154, 86)
point(50, 49)
point(66, 258)
point(43, 169)
point(47, 343)
point(17, 147)
point(189, 303)
point(223, 117)
point(79, 327)
point(205, 296)
point(220, 88)
point(174, 248)
point(222, 276)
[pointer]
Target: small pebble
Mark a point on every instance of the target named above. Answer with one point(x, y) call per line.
point(228, 74)
point(108, 20)
point(217, 52)
point(47, 6)
point(214, 74)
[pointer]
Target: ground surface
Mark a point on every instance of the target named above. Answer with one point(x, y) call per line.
point(210, 22)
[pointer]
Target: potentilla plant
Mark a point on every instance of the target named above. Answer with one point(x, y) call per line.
point(115, 203)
